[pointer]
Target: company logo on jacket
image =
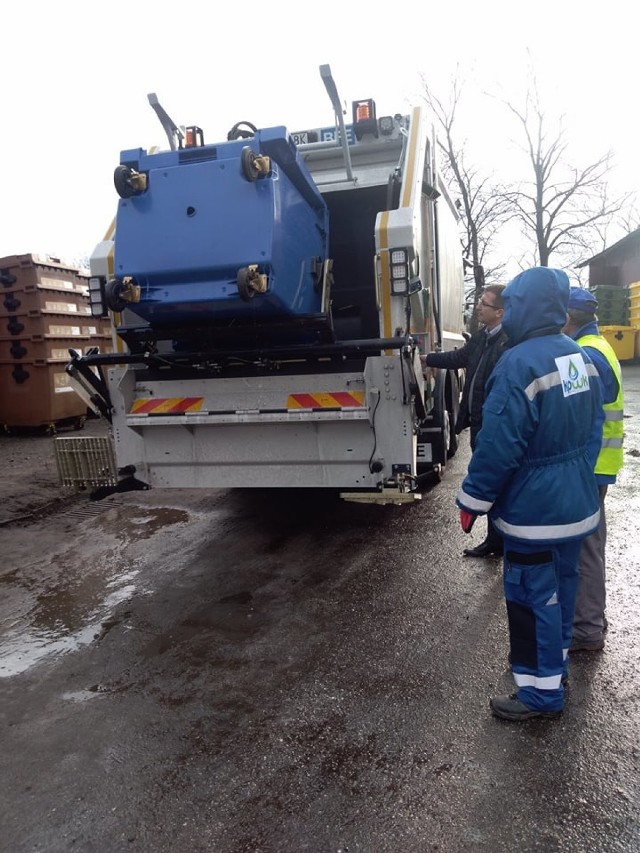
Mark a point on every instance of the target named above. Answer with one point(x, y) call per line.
point(573, 374)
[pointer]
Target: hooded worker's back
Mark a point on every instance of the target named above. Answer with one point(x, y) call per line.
point(533, 462)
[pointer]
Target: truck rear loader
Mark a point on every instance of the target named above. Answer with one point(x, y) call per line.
point(270, 296)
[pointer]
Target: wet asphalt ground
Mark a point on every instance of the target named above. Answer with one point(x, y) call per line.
point(276, 671)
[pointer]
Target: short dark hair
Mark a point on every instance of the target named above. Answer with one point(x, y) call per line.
point(580, 318)
point(496, 289)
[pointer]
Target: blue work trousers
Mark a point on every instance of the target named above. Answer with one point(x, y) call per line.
point(540, 584)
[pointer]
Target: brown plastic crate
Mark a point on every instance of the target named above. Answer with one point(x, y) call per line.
point(45, 324)
point(37, 395)
point(39, 349)
point(69, 282)
point(35, 301)
point(20, 271)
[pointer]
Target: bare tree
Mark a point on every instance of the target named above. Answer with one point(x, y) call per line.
point(629, 220)
point(482, 206)
point(564, 209)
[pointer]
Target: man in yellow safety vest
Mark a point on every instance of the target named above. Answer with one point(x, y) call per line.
point(589, 622)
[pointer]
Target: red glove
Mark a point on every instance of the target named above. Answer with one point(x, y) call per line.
point(467, 520)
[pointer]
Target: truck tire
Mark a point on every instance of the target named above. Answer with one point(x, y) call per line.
point(442, 417)
point(247, 162)
point(113, 295)
point(244, 287)
point(444, 444)
point(122, 182)
point(430, 473)
point(452, 393)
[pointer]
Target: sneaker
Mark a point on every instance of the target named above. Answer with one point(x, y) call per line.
point(511, 708)
point(586, 646)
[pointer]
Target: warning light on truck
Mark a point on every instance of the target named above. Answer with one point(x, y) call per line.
point(364, 118)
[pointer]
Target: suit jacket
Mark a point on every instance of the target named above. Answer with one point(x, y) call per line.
point(478, 357)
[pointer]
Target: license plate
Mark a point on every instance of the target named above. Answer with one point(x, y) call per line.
point(300, 138)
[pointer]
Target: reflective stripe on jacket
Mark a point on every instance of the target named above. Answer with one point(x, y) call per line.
point(610, 459)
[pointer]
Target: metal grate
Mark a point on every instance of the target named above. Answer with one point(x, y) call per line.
point(85, 462)
point(91, 510)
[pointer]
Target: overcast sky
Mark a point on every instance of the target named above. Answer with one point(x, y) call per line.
point(76, 77)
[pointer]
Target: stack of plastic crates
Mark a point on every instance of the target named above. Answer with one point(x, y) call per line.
point(613, 319)
point(613, 305)
point(44, 311)
point(634, 313)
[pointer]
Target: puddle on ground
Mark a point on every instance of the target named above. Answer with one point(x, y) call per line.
point(78, 609)
point(64, 619)
point(25, 649)
point(131, 523)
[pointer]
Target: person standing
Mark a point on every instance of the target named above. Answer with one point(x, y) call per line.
point(582, 326)
point(477, 357)
point(532, 470)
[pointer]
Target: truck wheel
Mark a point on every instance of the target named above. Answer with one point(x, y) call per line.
point(453, 439)
point(442, 443)
point(113, 295)
point(247, 161)
point(453, 409)
point(430, 473)
point(122, 182)
point(244, 288)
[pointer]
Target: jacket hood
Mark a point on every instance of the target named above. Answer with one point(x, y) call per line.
point(535, 303)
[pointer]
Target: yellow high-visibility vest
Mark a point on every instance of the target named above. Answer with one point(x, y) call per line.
point(610, 458)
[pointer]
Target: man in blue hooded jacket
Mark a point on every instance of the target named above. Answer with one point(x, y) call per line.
point(532, 470)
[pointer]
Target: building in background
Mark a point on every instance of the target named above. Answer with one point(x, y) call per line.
point(617, 266)
point(614, 279)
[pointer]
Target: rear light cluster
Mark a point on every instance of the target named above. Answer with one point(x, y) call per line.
point(96, 297)
point(365, 120)
point(404, 272)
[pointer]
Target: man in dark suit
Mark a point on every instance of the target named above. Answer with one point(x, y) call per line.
point(478, 357)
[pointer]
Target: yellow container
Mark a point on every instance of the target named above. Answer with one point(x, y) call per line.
point(634, 305)
point(622, 339)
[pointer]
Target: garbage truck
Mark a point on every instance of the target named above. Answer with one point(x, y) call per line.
point(270, 296)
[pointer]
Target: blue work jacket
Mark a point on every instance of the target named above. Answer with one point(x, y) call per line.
point(532, 467)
